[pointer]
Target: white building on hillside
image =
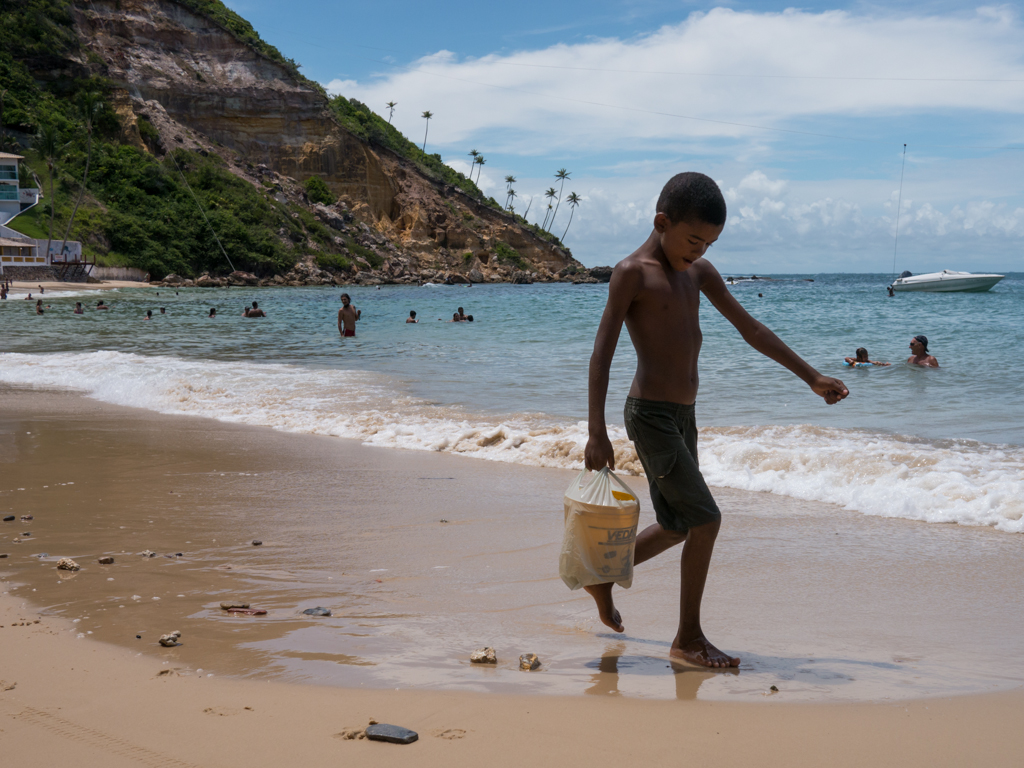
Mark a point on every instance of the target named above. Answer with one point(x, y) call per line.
point(17, 250)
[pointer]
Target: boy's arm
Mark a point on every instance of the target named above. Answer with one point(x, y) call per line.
point(763, 340)
point(622, 289)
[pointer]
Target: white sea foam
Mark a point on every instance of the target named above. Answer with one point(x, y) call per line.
point(962, 482)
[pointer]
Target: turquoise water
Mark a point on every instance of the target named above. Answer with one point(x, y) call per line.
point(941, 445)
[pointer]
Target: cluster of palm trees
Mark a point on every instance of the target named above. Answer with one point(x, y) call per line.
point(572, 200)
point(477, 163)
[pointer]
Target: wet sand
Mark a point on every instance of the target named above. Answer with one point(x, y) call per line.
point(826, 605)
point(864, 615)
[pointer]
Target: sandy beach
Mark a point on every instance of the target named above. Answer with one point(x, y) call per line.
point(54, 286)
point(860, 623)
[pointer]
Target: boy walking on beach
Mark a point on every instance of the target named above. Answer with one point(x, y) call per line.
point(656, 292)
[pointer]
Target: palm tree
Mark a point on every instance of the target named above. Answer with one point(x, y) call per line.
point(550, 195)
point(510, 180)
point(573, 200)
point(48, 146)
point(511, 197)
point(426, 116)
point(391, 110)
point(89, 106)
point(480, 161)
point(562, 174)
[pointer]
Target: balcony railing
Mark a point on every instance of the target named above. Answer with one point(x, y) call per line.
point(11, 194)
point(10, 175)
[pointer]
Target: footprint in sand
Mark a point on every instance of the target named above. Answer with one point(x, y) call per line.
point(222, 711)
point(450, 733)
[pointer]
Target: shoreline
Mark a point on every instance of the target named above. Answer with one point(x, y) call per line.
point(69, 695)
point(425, 556)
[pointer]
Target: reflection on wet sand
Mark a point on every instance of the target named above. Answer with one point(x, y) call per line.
point(615, 662)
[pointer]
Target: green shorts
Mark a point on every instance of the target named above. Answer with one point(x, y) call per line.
point(665, 437)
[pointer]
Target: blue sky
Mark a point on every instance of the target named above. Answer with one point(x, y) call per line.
point(801, 116)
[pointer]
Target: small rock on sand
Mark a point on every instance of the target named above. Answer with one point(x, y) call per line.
point(26, 518)
point(9, 519)
point(171, 640)
point(317, 611)
point(148, 553)
point(248, 611)
point(484, 656)
point(67, 564)
point(227, 605)
point(529, 662)
point(394, 734)
point(4, 555)
point(108, 560)
point(257, 542)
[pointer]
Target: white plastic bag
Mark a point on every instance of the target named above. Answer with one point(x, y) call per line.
point(600, 531)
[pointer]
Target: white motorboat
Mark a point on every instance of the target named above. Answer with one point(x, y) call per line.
point(945, 281)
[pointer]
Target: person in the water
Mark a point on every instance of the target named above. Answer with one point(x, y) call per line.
point(920, 356)
point(862, 359)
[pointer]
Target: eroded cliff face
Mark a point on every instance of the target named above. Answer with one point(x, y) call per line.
point(171, 60)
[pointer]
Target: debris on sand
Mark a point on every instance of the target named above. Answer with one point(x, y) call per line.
point(484, 656)
point(107, 560)
point(395, 734)
point(529, 662)
point(67, 564)
point(227, 605)
point(318, 611)
point(171, 640)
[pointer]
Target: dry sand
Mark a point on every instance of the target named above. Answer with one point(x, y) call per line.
point(54, 286)
point(318, 506)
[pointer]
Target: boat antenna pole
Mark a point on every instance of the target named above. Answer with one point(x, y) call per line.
point(899, 204)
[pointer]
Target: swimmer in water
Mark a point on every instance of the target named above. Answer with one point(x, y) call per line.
point(862, 359)
point(254, 312)
point(920, 356)
point(412, 317)
point(347, 316)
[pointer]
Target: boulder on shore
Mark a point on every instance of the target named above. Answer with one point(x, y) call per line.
point(242, 278)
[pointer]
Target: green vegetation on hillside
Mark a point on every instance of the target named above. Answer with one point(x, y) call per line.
point(137, 210)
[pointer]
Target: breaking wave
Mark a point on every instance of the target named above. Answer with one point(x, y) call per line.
point(936, 481)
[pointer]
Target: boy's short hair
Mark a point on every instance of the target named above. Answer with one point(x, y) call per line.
point(692, 196)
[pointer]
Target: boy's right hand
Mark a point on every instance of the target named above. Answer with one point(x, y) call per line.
point(599, 452)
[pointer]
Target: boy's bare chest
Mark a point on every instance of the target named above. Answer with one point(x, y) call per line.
point(671, 300)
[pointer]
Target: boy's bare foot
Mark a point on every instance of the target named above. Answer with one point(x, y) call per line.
point(602, 594)
point(702, 654)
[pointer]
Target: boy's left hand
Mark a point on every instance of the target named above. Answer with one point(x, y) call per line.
point(832, 390)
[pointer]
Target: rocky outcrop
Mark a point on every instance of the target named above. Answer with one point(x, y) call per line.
point(203, 89)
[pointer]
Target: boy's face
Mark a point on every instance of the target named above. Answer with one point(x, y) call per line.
point(683, 242)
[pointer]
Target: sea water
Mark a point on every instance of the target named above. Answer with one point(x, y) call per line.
point(936, 445)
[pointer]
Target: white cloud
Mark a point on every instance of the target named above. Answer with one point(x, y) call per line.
point(787, 211)
point(554, 94)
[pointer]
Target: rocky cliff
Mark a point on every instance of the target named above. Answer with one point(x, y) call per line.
point(202, 88)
